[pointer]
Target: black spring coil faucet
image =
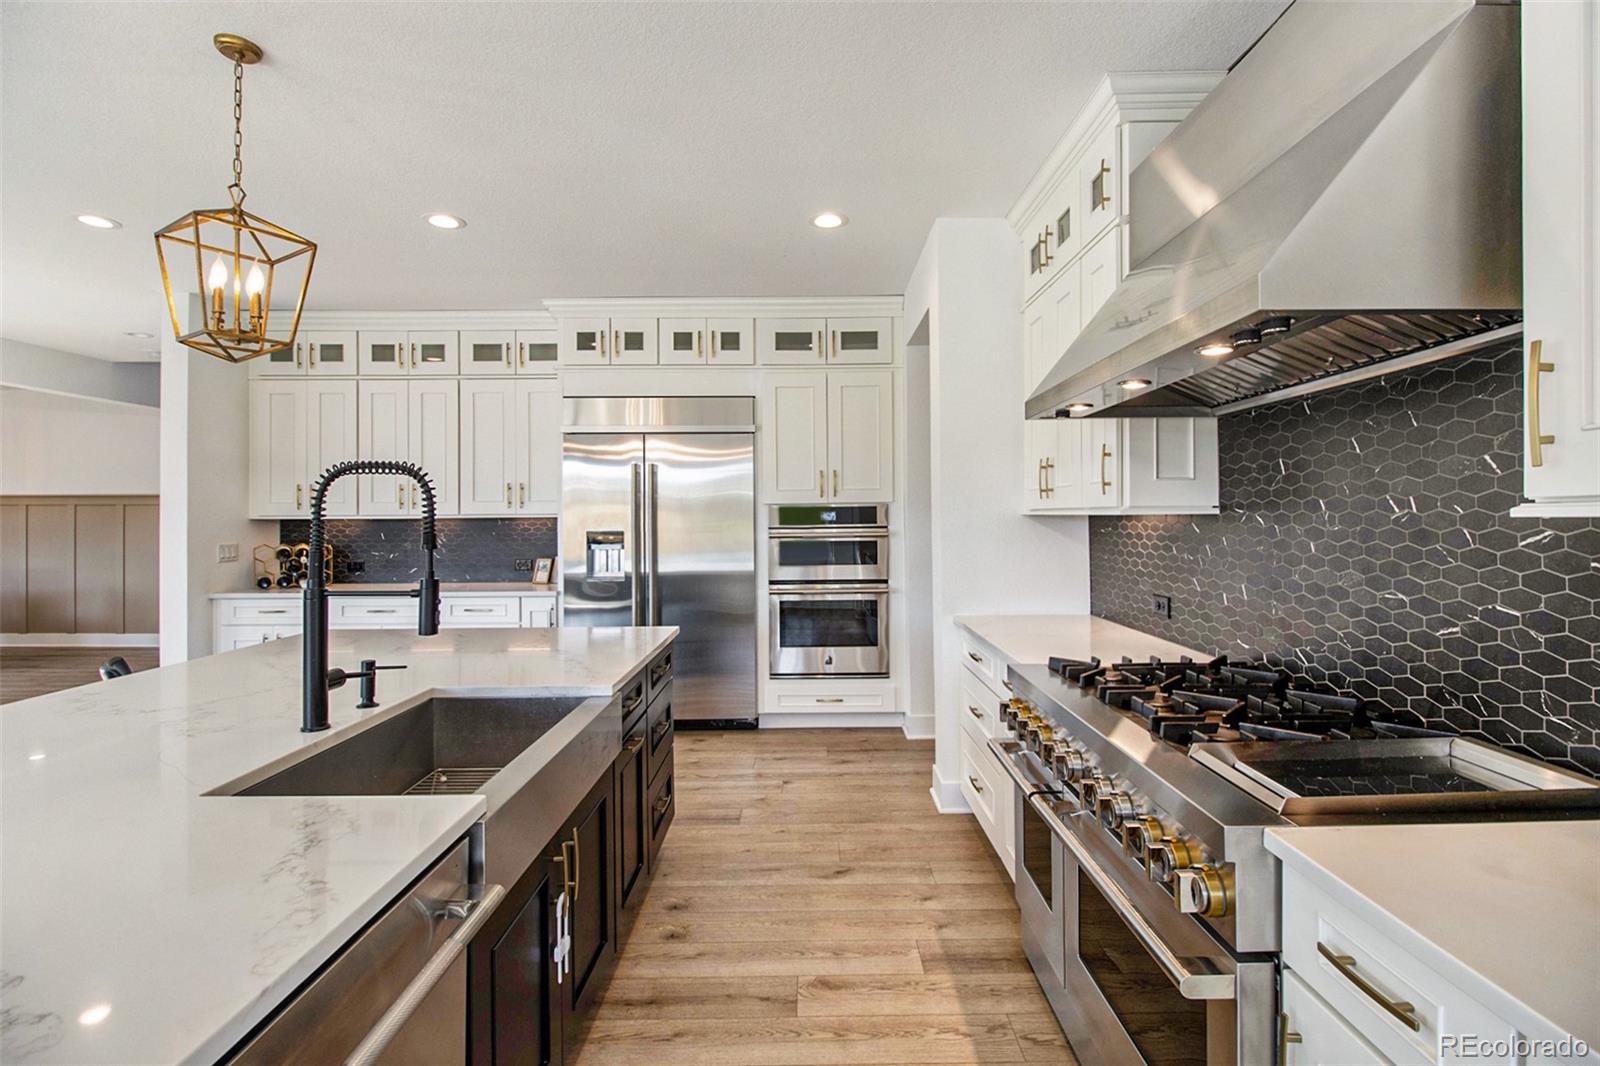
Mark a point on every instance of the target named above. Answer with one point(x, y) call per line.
point(314, 683)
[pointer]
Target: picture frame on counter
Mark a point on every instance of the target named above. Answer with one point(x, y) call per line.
point(543, 567)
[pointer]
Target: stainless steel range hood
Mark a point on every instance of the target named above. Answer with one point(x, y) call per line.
point(1353, 186)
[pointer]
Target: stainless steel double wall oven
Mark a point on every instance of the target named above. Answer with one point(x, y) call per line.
point(828, 582)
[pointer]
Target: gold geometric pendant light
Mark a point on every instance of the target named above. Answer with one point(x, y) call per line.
point(240, 260)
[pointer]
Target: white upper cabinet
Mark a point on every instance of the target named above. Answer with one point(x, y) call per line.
point(297, 430)
point(706, 341)
point(412, 353)
point(383, 420)
point(538, 352)
point(1561, 258)
point(1099, 176)
point(433, 440)
point(608, 342)
point(730, 341)
point(822, 341)
point(330, 353)
point(488, 352)
point(794, 437)
point(488, 447)
point(1101, 274)
point(538, 445)
point(828, 435)
point(287, 362)
point(381, 353)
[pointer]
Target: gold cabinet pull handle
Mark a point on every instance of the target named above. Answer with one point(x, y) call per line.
point(697, 344)
point(974, 712)
point(508, 355)
point(1105, 454)
point(311, 356)
point(830, 699)
point(577, 866)
point(297, 496)
point(835, 353)
point(616, 344)
point(1346, 965)
point(822, 485)
point(297, 356)
point(522, 351)
point(508, 495)
point(836, 482)
point(1049, 477)
point(974, 656)
point(413, 497)
point(1045, 258)
point(1285, 1038)
point(1040, 479)
point(1536, 439)
point(713, 342)
point(822, 352)
point(522, 494)
point(400, 495)
point(975, 786)
point(1103, 200)
point(413, 357)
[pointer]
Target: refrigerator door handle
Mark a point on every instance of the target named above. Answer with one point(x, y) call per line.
point(636, 531)
point(654, 495)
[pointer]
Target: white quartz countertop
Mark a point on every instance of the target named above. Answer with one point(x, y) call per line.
point(144, 921)
point(1033, 638)
point(1509, 912)
point(452, 588)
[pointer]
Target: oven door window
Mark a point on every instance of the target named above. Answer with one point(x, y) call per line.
point(1036, 849)
point(828, 623)
point(1168, 1029)
point(814, 553)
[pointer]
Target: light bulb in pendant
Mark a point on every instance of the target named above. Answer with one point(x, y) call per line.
point(253, 286)
point(218, 276)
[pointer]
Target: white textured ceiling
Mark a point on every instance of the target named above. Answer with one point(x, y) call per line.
point(595, 149)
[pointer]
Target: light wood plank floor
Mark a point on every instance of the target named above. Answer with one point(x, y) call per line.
point(29, 672)
point(812, 908)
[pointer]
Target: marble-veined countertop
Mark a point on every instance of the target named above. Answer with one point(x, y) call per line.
point(142, 920)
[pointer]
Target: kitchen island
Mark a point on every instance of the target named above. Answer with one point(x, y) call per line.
point(150, 916)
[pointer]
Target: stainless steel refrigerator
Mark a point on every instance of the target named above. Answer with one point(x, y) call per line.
point(658, 528)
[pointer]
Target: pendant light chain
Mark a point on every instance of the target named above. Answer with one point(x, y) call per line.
point(236, 190)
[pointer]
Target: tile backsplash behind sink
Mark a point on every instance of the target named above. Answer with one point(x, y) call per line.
point(470, 549)
point(1364, 543)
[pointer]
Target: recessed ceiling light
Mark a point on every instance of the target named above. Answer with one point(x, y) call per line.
point(1134, 384)
point(140, 334)
point(99, 222)
point(1216, 349)
point(829, 220)
point(444, 221)
point(95, 1014)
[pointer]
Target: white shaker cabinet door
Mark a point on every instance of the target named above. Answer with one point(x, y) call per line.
point(1561, 256)
point(277, 448)
point(488, 352)
point(433, 436)
point(861, 436)
point(488, 446)
point(330, 353)
point(331, 438)
point(1315, 1035)
point(791, 341)
point(794, 437)
point(585, 342)
point(633, 342)
point(860, 340)
point(683, 342)
point(538, 447)
point(730, 341)
point(383, 416)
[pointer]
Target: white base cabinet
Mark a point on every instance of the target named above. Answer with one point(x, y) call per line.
point(984, 783)
point(1561, 258)
point(1313, 1034)
point(246, 618)
point(827, 436)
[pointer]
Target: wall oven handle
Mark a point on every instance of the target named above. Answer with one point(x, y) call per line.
point(1195, 978)
point(778, 589)
point(830, 533)
point(473, 914)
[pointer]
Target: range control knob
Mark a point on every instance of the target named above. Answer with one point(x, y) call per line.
point(1165, 857)
point(1205, 890)
point(1089, 788)
point(1070, 763)
point(1115, 808)
point(1139, 833)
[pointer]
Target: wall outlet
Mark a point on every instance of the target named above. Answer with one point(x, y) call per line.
point(227, 553)
point(525, 565)
point(1162, 605)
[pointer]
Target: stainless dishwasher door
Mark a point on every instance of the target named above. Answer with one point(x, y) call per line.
point(397, 993)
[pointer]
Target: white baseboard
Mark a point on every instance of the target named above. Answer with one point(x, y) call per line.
point(947, 797)
point(826, 720)
point(918, 727)
point(78, 640)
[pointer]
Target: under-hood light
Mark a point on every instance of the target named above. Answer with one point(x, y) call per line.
point(1270, 326)
point(1079, 408)
point(1215, 349)
point(1134, 384)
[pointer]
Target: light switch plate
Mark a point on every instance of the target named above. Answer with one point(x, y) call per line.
point(227, 553)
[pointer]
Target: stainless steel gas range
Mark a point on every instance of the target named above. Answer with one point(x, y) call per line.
point(1150, 905)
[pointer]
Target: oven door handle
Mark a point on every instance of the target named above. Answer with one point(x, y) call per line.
point(844, 588)
point(1195, 978)
point(831, 533)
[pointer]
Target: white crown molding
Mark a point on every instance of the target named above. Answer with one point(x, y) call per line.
point(730, 307)
point(388, 320)
point(1158, 96)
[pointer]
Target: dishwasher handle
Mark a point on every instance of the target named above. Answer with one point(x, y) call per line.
point(472, 913)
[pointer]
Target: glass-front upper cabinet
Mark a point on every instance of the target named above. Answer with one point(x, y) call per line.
point(433, 352)
point(585, 341)
point(331, 353)
point(633, 342)
point(730, 342)
point(381, 353)
point(488, 351)
point(538, 352)
point(860, 340)
point(791, 341)
point(683, 342)
point(287, 362)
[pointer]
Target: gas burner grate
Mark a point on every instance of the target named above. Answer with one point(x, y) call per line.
point(453, 781)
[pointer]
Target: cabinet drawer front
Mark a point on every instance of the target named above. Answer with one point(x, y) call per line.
point(981, 782)
point(978, 706)
point(276, 610)
point(658, 677)
point(1371, 981)
point(539, 612)
point(659, 729)
point(979, 659)
point(663, 805)
point(232, 638)
point(370, 609)
point(480, 611)
point(835, 700)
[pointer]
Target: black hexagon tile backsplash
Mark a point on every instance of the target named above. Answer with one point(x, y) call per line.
point(1365, 544)
point(470, 549)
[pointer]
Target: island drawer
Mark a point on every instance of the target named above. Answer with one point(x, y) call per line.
point(663, 806)
point(1386, 993)
point(659, 674)
point(979, 707)
point(631, 697)
point(270, 609)
point(659, 731)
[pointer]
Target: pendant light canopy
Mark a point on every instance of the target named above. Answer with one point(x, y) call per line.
point(240, 260)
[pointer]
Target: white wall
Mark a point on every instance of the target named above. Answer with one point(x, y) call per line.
point(29, 366)
point(205, 450)
point(55, 445)
point(988, 557)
